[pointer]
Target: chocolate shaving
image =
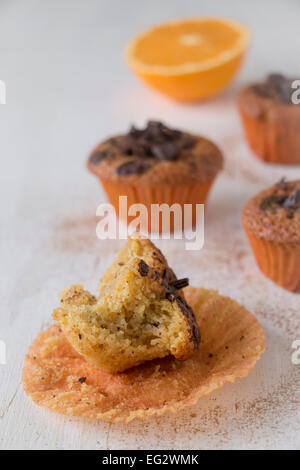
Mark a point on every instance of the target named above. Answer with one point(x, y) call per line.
point(187, 141)
point(143, 268)
point(166, 151)
point(133, 167)
point(277, 87)
point(293, 201)
point(154, 275)
point(272, 202)
point(285, 198)
point(171, 285)
point(155, 142)
point(131, 146)
point(281, 86)
point(189, 314)
point(99, 155)
point(282, 184)
point(168, 278)
point(180, 283)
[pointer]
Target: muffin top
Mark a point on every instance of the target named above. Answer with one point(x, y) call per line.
point(156, 155)
point(274, 214)
point(274, 92)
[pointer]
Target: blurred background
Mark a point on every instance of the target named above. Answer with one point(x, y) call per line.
point(68, 85)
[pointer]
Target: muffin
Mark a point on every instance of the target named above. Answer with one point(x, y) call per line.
point(140, 315)
point(156, 165)
point(271, 120)
point(272, 223)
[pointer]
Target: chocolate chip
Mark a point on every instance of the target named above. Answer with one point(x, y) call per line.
point(133, 167)
point(82, 380)
point(143, 268)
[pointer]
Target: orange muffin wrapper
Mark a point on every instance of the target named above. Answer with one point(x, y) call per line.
point(272, 141)
point(279, 262)
point(194, 193)
point(57, 377)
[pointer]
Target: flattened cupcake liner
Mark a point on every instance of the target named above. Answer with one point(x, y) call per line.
point(279, 262)
point(195, 193)
point(57, 377)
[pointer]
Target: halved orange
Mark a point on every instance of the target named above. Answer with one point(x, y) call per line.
point(189, 59)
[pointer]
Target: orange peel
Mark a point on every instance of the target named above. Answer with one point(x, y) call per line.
point(57, 377)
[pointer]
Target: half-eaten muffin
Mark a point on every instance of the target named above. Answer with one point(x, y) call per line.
point(141, 313)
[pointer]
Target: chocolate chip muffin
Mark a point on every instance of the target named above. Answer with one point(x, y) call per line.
point(141, 313)
point(271, 120)
point(272, 223)
point(156, 165)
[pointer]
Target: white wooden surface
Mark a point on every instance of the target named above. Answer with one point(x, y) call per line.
point(67, 88)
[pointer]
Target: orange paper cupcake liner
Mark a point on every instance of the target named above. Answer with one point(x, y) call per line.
point(57, 377)
point(195, 193)
point(272, 141)
point(279, 262)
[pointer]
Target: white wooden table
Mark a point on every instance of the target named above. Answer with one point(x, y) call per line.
point(67, 88)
